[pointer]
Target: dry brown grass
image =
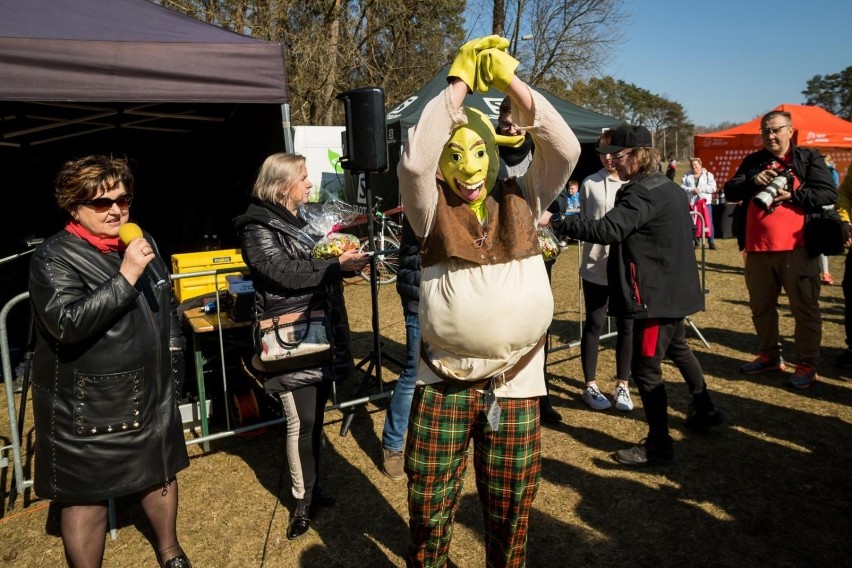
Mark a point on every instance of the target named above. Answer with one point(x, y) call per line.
point(771, 489)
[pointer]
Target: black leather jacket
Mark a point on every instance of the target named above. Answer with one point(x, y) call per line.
point(103, 379)
point(286, 279)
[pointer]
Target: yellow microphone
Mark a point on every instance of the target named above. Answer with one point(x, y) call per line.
point(131, 231)
point(128, 232)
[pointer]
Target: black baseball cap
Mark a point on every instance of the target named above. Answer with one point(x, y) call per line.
point(627, 136)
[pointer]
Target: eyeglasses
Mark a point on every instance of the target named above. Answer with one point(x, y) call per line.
point(103, 204)
point(775, 130)
point(619, 157)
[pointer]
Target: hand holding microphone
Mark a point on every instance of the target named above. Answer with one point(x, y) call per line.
point(139, 256)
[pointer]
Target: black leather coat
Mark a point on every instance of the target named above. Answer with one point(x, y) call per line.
point(103, 379)
point(287, 279)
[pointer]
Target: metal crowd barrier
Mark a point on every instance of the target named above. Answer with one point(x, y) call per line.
point(8, 379)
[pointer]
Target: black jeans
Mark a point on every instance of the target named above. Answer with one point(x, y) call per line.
point(654, 339)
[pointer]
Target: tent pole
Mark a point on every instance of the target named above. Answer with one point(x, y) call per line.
point(285, 125)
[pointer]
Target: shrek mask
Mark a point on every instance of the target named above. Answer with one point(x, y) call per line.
point(469, 161)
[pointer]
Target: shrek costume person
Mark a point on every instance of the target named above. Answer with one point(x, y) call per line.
point(485, 305)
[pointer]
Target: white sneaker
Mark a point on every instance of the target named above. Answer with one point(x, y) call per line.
point(593, 397)
point(622, 398)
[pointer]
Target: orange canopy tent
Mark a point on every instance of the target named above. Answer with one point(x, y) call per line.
point(721, 152)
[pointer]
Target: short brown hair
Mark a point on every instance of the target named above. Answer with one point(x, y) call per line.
point(86, 178)
point(606, 137)
point(506, 105)
point(773, 113)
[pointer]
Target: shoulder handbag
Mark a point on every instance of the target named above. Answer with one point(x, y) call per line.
point(824, 233)
point(297, 340)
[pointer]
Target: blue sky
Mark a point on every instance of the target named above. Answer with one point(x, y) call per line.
point(730, 60)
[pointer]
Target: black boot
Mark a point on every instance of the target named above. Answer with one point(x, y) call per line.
point(300, 522)
point(655, 404)
point(702, 414)
point(180, 561)
point(548, 413)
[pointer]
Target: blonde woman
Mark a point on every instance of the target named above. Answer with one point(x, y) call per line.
point(286, 279)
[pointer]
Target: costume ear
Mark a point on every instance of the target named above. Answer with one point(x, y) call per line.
point(510, 141)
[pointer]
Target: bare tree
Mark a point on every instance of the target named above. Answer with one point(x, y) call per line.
point(498, 17)
point(563, 40)
point(335, 45)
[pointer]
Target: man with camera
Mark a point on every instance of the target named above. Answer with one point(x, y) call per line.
point(777, 187)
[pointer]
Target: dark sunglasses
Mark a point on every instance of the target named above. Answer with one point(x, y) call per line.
point(103, 204)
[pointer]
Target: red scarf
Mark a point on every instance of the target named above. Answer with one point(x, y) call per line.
point(103, 244)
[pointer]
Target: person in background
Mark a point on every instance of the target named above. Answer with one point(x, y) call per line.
point(700, 187)
point(653, 279)
point(772, 235)
point(481, 367)
point(598, 196)
point(396, 419)
point(552, 219)
point(824, 272)
point(514, 161)
point(844, 207)
point(107, 364)
point(572, 204)
point(671, 169)
point(288, 279)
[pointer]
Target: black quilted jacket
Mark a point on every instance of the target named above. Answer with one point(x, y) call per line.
point(286, 279)
point(408, 276)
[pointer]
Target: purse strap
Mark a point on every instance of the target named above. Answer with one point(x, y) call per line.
point(278, 321)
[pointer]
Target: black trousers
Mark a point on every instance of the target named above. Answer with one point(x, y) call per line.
point(654, 339)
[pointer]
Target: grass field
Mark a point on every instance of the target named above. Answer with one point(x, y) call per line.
point(772, 488)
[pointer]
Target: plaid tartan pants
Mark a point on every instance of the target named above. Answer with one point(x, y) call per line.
point(443, 421)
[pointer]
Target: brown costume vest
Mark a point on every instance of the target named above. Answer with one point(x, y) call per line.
point(510, 232)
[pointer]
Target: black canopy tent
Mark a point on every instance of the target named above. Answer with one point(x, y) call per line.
point(587, 126)
point(195, 107)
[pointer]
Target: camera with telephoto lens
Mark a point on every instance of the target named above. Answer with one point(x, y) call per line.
point(764, 198)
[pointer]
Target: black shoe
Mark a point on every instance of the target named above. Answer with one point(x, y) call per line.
point(701, 421)
point(712, 245)
point(844, 361)
point(300, 522)
point(322, 499)
point(548, 413)
point(643, 454)
point(180, 561)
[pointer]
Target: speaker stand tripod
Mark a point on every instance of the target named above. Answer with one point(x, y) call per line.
point(371, 365)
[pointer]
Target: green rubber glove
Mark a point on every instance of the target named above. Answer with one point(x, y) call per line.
point(494, 68)
point(466, 62)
